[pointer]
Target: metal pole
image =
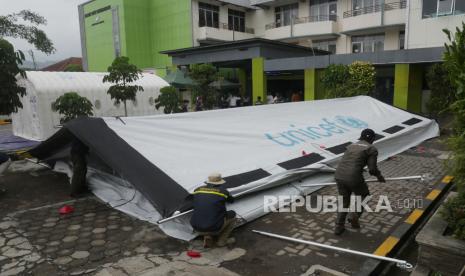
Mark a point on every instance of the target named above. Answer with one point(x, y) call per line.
point(237, 195)
point(38, 163)
point(369, 180)
point(400, 263)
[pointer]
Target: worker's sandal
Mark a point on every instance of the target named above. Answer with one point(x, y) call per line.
point(354, 222)
point(339, 229)
point(207, 241)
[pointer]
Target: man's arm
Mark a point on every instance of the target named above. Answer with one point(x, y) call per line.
point(230, 198)
point(372, 164)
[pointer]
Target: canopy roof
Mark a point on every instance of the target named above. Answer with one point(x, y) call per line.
point(166, 157)
point(45, 82)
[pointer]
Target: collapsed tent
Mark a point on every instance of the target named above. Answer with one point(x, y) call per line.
point(260, 149)
point(37, 121)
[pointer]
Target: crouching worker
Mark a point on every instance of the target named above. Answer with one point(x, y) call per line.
point(210, 218)
point(5, 162)
point(78, 158)
point(349, 176)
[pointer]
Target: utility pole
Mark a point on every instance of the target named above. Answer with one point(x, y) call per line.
point(31, 53)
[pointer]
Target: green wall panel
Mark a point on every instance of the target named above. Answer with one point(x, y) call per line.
point(138, 32)
point(313, 88)
point(99, 34)
point(146, 28)
point(258, 79)
point(408, 87)
point(171, 24)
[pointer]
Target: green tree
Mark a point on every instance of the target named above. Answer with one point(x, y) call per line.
point(122, 74)
point(355, 79)
point(9, 27)
point(72, 106)
point(204, 75)
point(10, 91)
point(454, 60)
point(74, 68)
point(442, 89)
point(170, 99)
point(334, 79)
point(361, 78)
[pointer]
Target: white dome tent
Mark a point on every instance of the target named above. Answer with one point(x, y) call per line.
point(37, 121)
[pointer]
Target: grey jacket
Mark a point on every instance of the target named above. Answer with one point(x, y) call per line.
point(356, 157)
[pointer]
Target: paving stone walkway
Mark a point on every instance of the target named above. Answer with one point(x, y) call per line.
point(97, 240)
point(267, 254)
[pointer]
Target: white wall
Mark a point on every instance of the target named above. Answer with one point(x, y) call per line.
point(422, 32)
point(425, 33)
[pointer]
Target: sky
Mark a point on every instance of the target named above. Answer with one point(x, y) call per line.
point(62, 26)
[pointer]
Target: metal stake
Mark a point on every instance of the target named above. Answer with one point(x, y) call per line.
point(400, 263)
point(421, 177)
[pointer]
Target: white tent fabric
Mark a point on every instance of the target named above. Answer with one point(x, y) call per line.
point(37, 121)
point(280, 140)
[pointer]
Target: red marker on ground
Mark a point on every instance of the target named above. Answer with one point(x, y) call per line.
point(67, 209)
point(194, 254)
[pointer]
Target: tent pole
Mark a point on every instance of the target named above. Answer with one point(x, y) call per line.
point(174, 216)
point(38, 163)
point(421, 177)
point(400, 263)
point(190, 211)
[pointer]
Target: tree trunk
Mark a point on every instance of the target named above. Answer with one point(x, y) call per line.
point(125, 110)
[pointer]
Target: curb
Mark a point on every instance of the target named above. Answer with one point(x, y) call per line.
point(397, 238)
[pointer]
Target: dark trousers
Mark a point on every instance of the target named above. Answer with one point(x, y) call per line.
point(225, 231)
point(78, 182)
point(346, 189)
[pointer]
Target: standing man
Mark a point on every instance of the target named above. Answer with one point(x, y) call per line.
point(78, 158)
point(349, 175)
point(4, 164)
point(210, 217)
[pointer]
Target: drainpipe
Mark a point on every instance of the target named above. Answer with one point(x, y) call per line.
point(382, 12)
point(292, 26)
point(407, 24)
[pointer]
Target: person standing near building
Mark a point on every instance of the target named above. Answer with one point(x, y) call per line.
point(5, 162)
point(210, 217)
point(232, 99)
point(349, 176)
point(79, 152)
point(198, 104)
point(259, 101)
point(295, 97)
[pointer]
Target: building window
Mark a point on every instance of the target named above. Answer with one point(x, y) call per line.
point(236, 20)
point(208, 15)
point(435, 8)
point(326, 45)
point(360, 7)
point(402, 40)
point(323, 10)
point(368, 43)
point(285, 15)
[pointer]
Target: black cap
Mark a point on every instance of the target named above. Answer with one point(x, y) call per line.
point(368, 135)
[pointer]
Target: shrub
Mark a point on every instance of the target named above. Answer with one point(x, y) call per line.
point(170, 99)
point(454, 60)
point(203, 75)
point(442, 89)
point(355, 79)
point(72, 106)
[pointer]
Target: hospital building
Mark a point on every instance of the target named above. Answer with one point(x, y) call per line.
point(275, 46)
